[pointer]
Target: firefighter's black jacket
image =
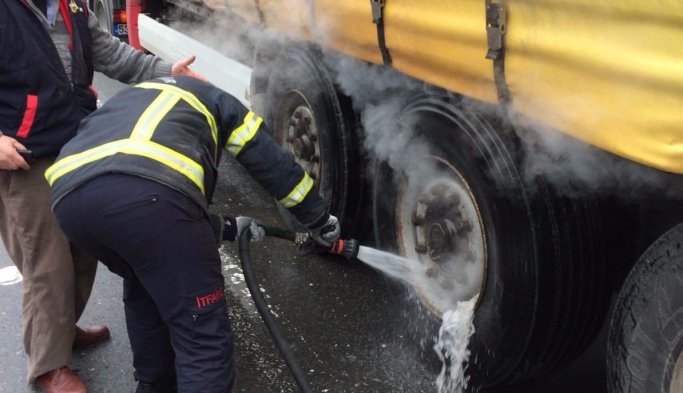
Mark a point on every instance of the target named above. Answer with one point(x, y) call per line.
point(173, 130)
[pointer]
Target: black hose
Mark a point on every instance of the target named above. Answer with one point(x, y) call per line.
point(268, 319)
point(279, 233)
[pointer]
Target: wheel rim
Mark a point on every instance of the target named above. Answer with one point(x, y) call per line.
point(297, 130)
point(677, 378)
point(440, 230)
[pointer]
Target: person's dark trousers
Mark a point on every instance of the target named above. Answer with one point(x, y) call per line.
point(162, 244)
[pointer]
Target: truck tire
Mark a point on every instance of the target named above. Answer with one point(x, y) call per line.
point(540, 273)
point(298, 99)
point(645, 341)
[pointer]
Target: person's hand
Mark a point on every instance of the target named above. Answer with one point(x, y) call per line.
point(327, 233)
point(248, 223)
point(182, 67)
point(9, 158)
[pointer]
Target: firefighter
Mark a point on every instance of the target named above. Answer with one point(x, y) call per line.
point(133, 188)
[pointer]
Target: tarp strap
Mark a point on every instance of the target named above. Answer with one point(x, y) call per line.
point(259, 10)
point(496, 26)
point(378, 19)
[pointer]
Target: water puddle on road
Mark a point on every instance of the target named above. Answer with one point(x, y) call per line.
point(456, 328)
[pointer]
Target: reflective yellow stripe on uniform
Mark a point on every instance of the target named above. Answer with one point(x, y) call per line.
point(244, 133)
point(191, 99)
point(298, 193)
point(151, 117)
point(174, 160)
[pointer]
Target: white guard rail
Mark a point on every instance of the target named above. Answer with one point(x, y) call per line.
point(172, 45)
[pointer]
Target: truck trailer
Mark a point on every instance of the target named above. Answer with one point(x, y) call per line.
point(440, 130)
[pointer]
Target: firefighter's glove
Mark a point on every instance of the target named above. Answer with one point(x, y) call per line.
point(230, 228)
point(235, 226)
point(248, 223)
point(327, 233)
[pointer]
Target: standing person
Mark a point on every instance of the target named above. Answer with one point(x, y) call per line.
point(133, 188)
point(48, 51)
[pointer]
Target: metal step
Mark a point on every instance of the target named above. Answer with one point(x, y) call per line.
point(171, 45)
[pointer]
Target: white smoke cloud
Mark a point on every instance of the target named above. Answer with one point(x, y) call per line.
point(576, 168)
point(380, 93)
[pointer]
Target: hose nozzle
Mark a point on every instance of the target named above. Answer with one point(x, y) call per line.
point(348, 248)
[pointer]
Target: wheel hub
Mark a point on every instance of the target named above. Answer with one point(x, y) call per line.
point(440, 229)
point(303, 147)
point(299, 133)
point(441, 238)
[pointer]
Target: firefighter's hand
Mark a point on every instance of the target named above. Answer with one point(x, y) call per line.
point(327, 233)
point(9, 158)
point(248, 223)
point(182, 67)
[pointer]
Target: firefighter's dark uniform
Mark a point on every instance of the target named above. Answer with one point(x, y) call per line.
point(133, 189)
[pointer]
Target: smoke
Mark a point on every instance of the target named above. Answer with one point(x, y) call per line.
point(380, 94)
point(231, 42)
point(369, 84)
point(576, 168)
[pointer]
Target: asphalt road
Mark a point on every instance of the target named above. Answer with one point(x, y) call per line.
point(346, 322)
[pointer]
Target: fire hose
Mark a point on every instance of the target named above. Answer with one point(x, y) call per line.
point(306, 245)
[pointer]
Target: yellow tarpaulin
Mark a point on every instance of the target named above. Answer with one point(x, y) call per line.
point(606, 72)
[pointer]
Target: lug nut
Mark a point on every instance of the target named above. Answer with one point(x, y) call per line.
point(434, 255)
point(420, 215)
point(464, 227)
point(453, 200)
point(439, 190)
point(421, 242)
point(418, 220)
point(461, 277)
point(469, 255)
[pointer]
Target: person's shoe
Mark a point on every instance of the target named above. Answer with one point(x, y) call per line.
point(61, 380)
point(90, 335)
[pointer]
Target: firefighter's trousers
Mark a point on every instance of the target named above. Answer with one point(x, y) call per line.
point(162, 244)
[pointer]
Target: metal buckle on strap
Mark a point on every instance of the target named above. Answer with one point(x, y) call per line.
point(496, 17)
point(378, 19)
point(377, 8)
